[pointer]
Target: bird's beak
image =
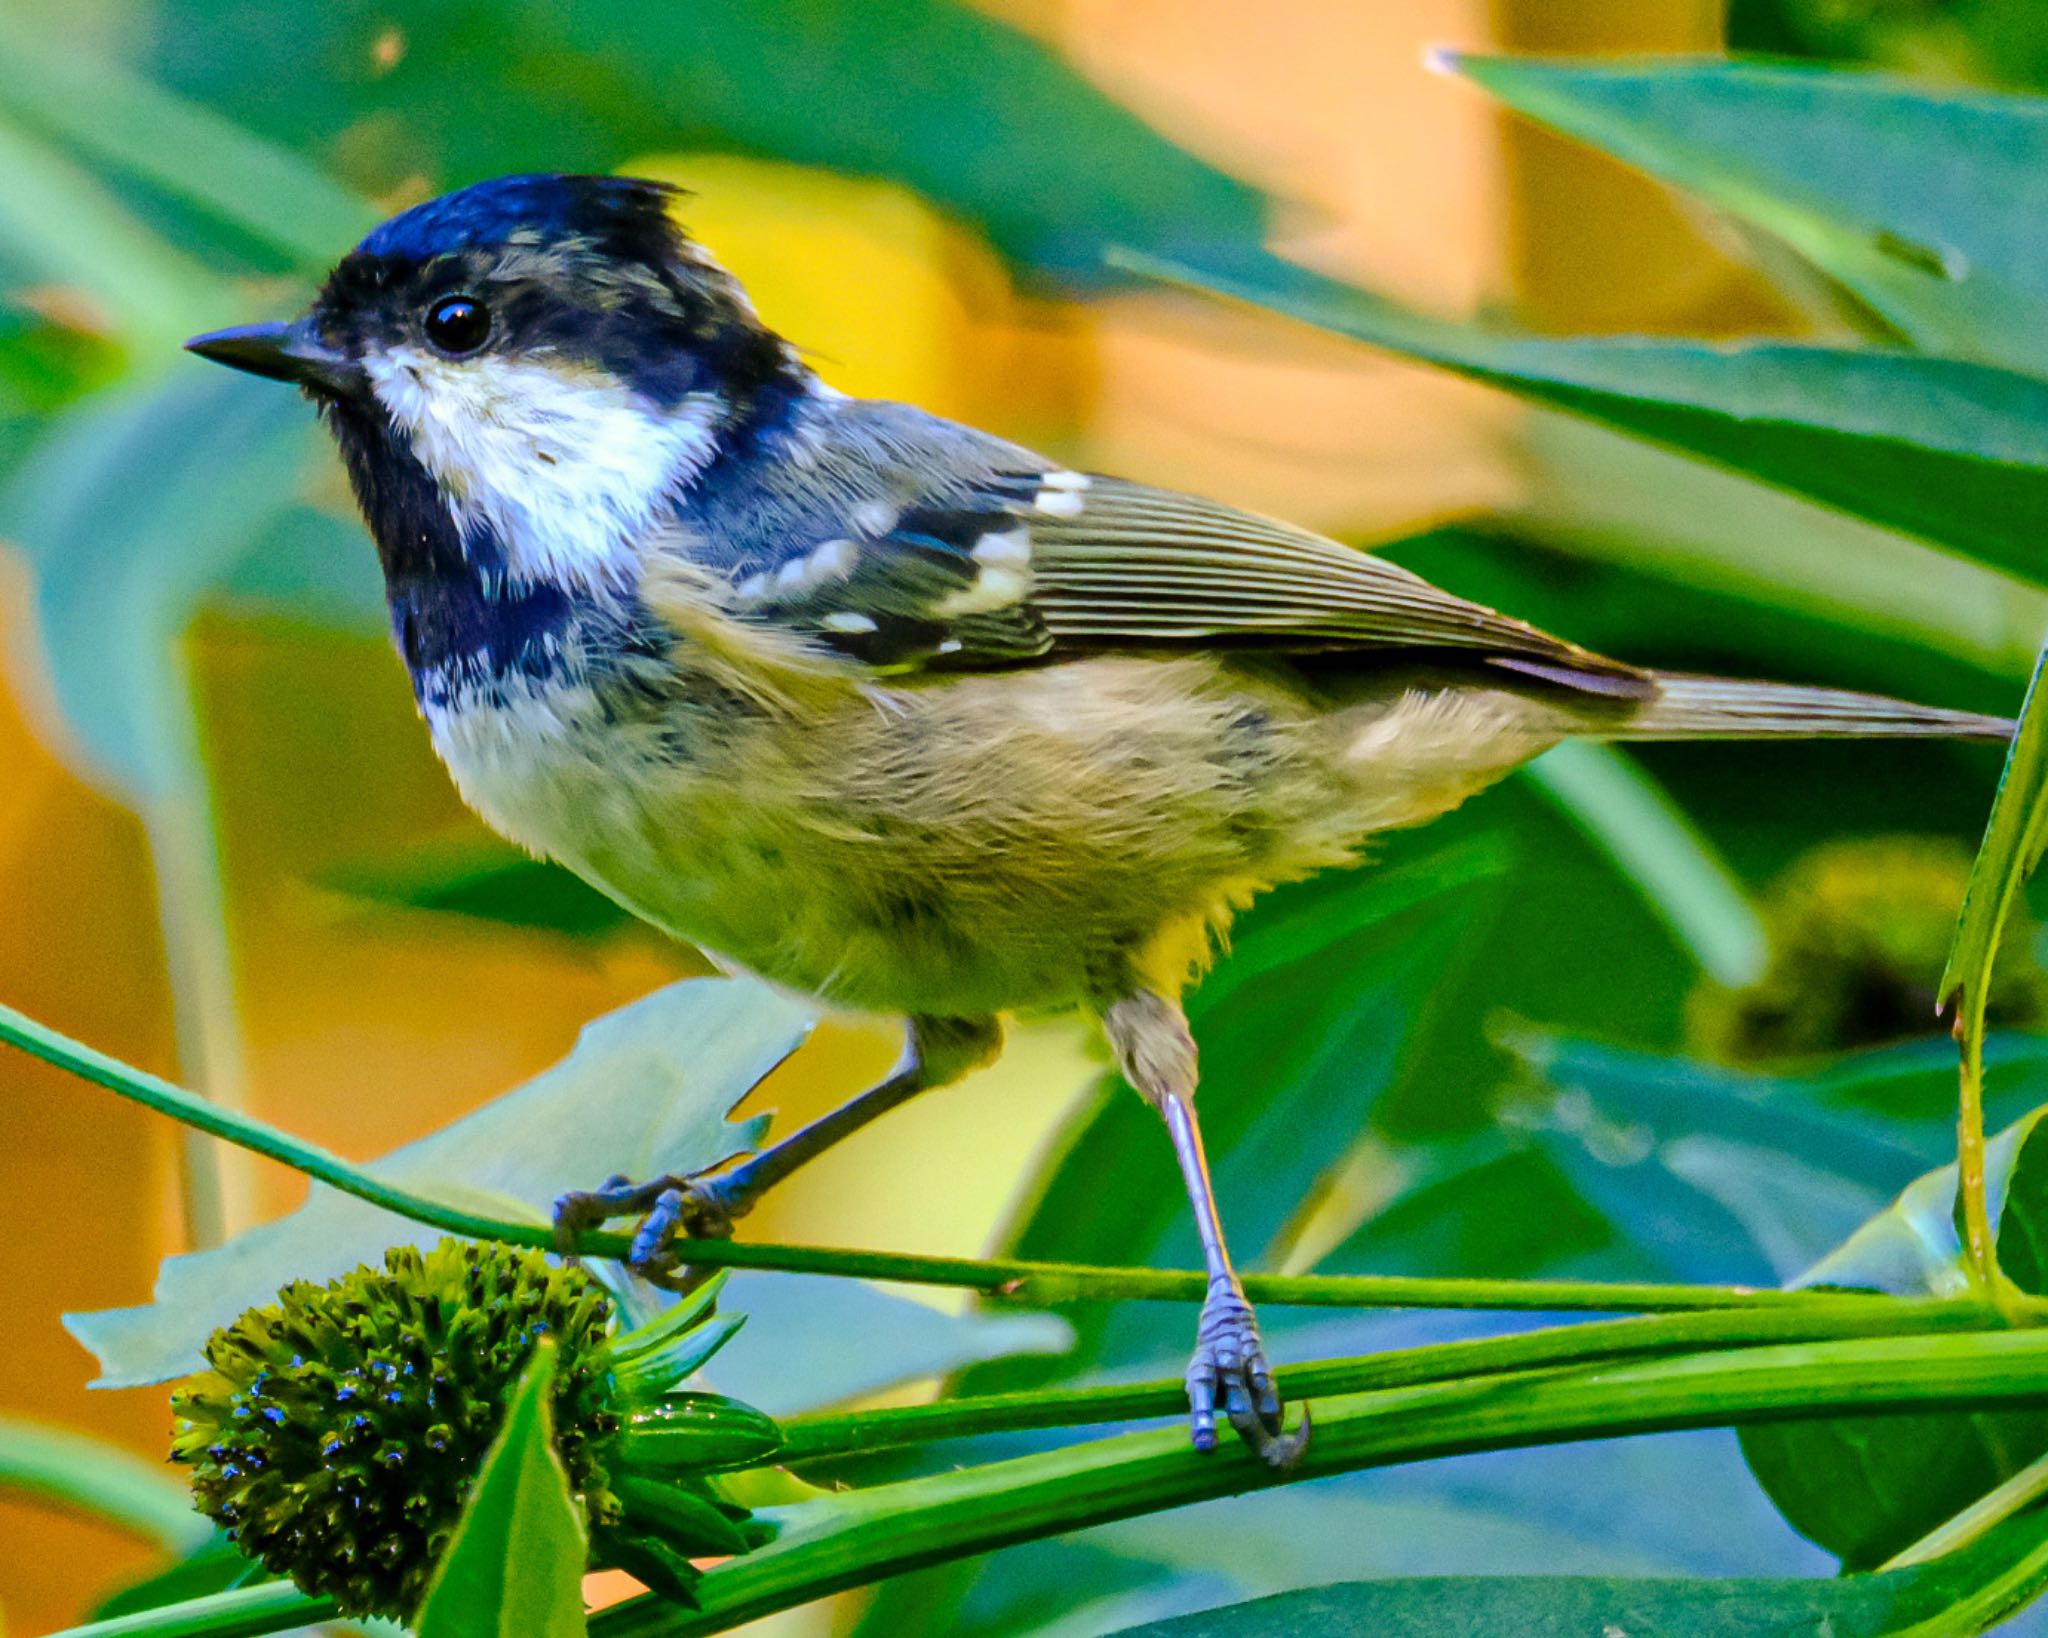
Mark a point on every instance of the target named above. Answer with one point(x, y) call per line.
point(284, 352)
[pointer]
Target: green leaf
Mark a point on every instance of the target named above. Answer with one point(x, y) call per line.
point(2009, 1563)
point(1865, 1488)
point(2014, 836)
point(813, 1340)
point(1912, 1247)
point(515, 1567)
point(128, 508)
point(85, 1475)
point(1924, 200)
point(1709, 1173)
point(1621, 811)
point(645, 1091)
point(981, 118)
point(1953, 451)
point(1290, 1070)
point(60, 227)
point(477, 874)
point(123, 121)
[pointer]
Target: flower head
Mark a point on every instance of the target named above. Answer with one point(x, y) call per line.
point(338, 1430)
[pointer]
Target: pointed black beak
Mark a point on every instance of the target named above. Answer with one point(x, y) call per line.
point(284, 352)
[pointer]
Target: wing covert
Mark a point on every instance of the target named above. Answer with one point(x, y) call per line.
point(915, 543)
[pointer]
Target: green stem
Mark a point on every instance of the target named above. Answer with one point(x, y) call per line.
point(851, 1538)
point(272, 1606)
point(1980, 1251)
point(1012, 1279)
point(1655, 848)
point(857, 1537)
point(1984, 1514)
point(857, 1433)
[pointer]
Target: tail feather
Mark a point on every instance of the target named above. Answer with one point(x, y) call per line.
point(1686, 707)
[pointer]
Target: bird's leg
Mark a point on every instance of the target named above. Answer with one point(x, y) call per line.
point(704, 1206)
point(1157, 1054)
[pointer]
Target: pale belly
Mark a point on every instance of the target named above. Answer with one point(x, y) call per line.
point(976, 846)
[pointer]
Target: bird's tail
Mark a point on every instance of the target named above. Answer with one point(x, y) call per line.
point(1686, 707)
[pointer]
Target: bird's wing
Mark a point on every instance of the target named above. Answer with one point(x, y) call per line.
point(1130, 563)
point(1008, 560)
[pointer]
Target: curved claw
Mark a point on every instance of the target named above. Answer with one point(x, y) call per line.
point(580, 1210)
point(1229, 1371)
point(671, 1206)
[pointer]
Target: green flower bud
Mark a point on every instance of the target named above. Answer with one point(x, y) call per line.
point(338, 1431)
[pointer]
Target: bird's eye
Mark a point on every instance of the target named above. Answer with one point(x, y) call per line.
point(458, 325)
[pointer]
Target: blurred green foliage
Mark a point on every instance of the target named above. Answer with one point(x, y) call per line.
point(1859, 934)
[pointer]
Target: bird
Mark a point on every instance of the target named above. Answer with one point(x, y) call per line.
point(880, 708)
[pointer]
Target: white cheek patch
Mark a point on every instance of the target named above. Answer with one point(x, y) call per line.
point(566, 467)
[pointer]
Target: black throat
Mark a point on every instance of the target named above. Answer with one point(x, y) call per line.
point(460, 623)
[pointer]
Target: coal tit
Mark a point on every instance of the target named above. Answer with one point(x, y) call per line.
point(877, 706)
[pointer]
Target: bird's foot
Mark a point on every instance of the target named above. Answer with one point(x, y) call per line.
point(690, 1208)
point(1229, 1371)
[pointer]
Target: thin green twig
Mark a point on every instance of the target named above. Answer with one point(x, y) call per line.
point(1013, 1279)
point(246, 1612)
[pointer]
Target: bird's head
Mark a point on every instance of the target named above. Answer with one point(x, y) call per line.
point(541, 360)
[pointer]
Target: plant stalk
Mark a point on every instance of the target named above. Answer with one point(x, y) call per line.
point(246, 1612)
point(1009, 1279)
point(1983, 1515)
point(1980, 1253)
point(863, 1432)
point(852, 1538)
point(857, 1537)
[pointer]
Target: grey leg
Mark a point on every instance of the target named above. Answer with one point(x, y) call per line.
point(1157, 1054)
point(940, 1050)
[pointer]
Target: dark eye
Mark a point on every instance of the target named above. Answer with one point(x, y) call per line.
point(458, 325)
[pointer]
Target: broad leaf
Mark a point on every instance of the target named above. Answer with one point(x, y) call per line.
point(1655, 847)
point(1927, 201)
point(645, 1091)
point(1290, 1070)
point(1913, 1247)
point(478, 875)
point(1953, 451)
point(811, 1340)
point(515, 1566)
point(1981, 1584)
point(120, 562)
point(1629, 1165)
point(979, 117)
point(126, 123)
point(1710, 1173)
point(70, 1470)
point(1866, 1487)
